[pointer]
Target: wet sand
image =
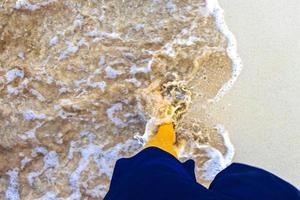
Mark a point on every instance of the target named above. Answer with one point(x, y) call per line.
point(264, 112)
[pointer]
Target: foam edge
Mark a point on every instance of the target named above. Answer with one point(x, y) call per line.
point(214, 9)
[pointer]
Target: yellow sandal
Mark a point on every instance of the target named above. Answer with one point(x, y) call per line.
point(164, 139)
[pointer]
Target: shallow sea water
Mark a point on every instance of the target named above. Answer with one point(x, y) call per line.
point(83, 83)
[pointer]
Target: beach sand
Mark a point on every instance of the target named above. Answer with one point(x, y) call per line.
point(76, 88)
point(263, 113)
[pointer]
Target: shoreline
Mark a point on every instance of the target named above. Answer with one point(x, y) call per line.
point(262, 110)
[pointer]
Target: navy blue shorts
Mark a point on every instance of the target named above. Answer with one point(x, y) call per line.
point(154, 174)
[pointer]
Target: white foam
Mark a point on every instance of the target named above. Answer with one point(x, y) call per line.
point(31, 176)
point(101, 60)
point(214, 165)
point(88, 134)
point(168, 50)
point(24, 162)
point(50, 196)
point(139, 27)
point(112, 73)
point(71, 49)
point(30, 134)
point(100, 84)
point(101, 17)
point(86, 152)
point(135, 70)
point(97, 192)
point(217, 161)
point(39, 149)
point(63, 90)
point(156, 1)
point(51, 160)
point(93, 33)
point(13, 74)
point(31, 115)
point(77, 83)
point(90, 150)
point(107, 158)
point(151, 124)
point(63, 114)
point(72, 148)
point(104, 159)
point(78, 21)
point(53, 41)
point(12, 192)
point(15, 90)
point(12, 90)
point(96, 33)
point(134, 81)
point(76, 195)
point(38, 95)
point(69, 103)
point(229, 154)
point(171, 7)
point(111, 115)
point(21, 55)
point(215, 10)
point(189, 41)
point(82, 41)
point(24, 4)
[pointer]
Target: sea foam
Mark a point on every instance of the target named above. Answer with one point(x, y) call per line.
point(214, 9)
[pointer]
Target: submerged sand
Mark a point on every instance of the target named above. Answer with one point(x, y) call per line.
point(80, 80)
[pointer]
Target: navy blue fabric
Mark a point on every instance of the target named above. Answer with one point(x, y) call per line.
point(154, 174)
